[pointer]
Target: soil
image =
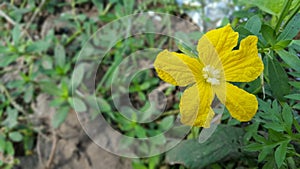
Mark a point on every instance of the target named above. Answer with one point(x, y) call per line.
point(67, 147)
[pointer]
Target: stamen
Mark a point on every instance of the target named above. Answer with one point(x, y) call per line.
point(211, 75)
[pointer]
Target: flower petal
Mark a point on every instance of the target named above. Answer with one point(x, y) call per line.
point(195, 105)
point(240, 104)
point(207, 53)
point(177, 69)
point(223, 40)
point(243, 65)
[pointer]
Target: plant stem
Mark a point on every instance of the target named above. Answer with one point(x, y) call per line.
point(284, 12)
point(172, 112)
point(6, 17)
point(194, 133)
point(73, 37)
point(53, 150)
point(11, 100)
point(294, 12)
point(41, 5)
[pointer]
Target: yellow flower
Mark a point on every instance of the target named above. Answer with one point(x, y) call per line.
point(209, 74)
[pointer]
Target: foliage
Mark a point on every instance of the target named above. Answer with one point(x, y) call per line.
point(36, 60)
point(224, 143)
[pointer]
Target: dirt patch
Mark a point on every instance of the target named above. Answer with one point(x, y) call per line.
point(68, 147)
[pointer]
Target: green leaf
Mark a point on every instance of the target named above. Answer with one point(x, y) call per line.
point(140, 132)
point(138, 166)
point(154, 161)
point(278, 79)
point(186, 49)
point(47, 62)
point(11, 120)
point(15, 136)
point(7, 59)
point(251, 130)
point(60, 116)
point(295, 84)
point(50, 88)
point(113, 1)
point(264, 153)
point(270, 164)
point(294, 42)
point(269, 6)
point(60, 55)
point(192, 154)
point(295, 74)
point(258, 147)
point(292, 60)
point(9, 148)
point(254, 24)
point(259, 138)
point(28, 94)
point(77, 104)
point(274, 126)
point(78, 75)
point(166, 123)
point(104, 105)
point(281, 44)
point(268, 34)
point(2, 144)
point(296, 124)
point(276, 136)
point(125, 142)
point(291, 29)
point(56, 102)
point(293, 96)
point(38, 46)
point(29, 142)
point(296, 106)
point(128, 5)
point(280, 153)
point(99, 5)
point(142, 96)
point(16, 32)
point(145, 85)
point(291, 163)
point(159, 139)
point(243, 32)
point(287, 115)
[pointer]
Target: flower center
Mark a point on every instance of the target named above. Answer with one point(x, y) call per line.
point(211, 75)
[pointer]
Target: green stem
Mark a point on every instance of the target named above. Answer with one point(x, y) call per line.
point(107, 8)
point(203, 4)
point(73, 4)
point(257, 90)
point(294, 12)
point(11, 100)
point(194, 134)
point(264, 50)
point(284, 12)
point(171, 112)
point(73, 37)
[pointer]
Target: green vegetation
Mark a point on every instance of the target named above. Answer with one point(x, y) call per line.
point(41, 40)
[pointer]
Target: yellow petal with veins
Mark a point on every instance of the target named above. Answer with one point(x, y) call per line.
point(240, 104)
point(177, 69)
point(195, 104)
point(243, 65)
point(223, 40)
